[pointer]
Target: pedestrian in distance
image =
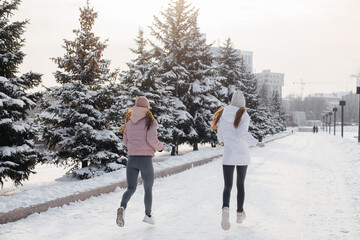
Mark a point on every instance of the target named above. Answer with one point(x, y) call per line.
point(232, 124)
point(140, 138)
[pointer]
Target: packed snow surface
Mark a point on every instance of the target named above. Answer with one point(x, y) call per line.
point(305, 186)
point(44, 190)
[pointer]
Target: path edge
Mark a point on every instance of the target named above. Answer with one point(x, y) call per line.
point(23, 212)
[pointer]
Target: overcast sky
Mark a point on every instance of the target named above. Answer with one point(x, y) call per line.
point(314, 41)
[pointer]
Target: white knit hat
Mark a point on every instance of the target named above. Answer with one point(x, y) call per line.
point(238, 99)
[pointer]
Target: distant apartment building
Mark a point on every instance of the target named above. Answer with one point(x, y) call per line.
point(246, 55)
point(298, 118)
point(271, 81)
point(331, 98)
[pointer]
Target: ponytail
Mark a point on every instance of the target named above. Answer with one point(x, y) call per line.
point(149, 120)
point(127, 118)
point(218, 114)
point(216, 118)
point(238, 116)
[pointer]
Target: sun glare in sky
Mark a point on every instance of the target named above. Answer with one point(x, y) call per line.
point(316, 41)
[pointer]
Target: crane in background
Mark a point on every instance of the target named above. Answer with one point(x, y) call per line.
point(356, 76)
point(302, 83)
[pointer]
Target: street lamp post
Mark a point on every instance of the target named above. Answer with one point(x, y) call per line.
point(330, 113)
point(334, 110)
point(342, 104)
point(326, 122)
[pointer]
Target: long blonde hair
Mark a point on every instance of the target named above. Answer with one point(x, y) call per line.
point(218, 114)
point(149, 120)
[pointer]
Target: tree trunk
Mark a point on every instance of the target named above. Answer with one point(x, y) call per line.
point(174, 150)
point(195, 146)
point(84, 164)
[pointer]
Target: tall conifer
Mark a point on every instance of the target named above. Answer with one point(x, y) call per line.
point(78, 123)
point(18, 154)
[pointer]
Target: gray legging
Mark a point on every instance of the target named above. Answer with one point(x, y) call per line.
point(145, 166)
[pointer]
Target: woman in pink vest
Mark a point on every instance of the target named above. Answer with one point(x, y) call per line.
point(140, 138)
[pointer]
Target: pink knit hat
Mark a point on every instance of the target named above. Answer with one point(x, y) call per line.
point(140, 109)
point(142, 102)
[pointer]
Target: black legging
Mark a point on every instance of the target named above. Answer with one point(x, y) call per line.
point(228, 171)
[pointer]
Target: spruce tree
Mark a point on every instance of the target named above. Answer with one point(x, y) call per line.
point(79, 124)
point(230, 70)
point(258, 112)
point(201, 100)
point(173, 34)
point(141, 79)
point(262, 122)
point(18, 154)
point(277, 112)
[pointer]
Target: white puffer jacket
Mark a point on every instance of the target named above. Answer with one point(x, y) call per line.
point(236, 140)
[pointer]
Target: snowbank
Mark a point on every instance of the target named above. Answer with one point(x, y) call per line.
point(60, 189)
point(47, 191)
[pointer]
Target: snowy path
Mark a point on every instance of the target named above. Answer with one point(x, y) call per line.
point(300, 187)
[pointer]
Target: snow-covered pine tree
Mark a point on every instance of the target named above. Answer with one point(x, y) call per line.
point(230, 71)
point(141, 79)
point(261, 121)
point(78, 126)
point(139, 73)
point(258, 112)
point(277, 112)
point(200, 100)
point(173, 34)
point(18, 154)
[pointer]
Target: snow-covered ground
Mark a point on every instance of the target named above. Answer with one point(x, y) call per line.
point(40, 192)
point(350, 132)
point(305, 186)
point(48, 175)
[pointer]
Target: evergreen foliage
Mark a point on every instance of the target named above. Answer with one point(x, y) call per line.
point(173, 34)
point(230, 71)
point(277, 113)
point(256, 108)
point(79, 123)
point(185, 66)
point(262, 120)
point(141, 79)
point(201, 100)
point(18, 154)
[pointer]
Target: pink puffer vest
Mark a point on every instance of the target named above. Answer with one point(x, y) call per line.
point(139, 140)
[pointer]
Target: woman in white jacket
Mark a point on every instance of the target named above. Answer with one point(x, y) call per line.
point(232, 124)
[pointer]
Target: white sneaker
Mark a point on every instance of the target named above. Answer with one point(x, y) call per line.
point(225, 224)
point(120, 217)
point(149, 220)
point(240, 217)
